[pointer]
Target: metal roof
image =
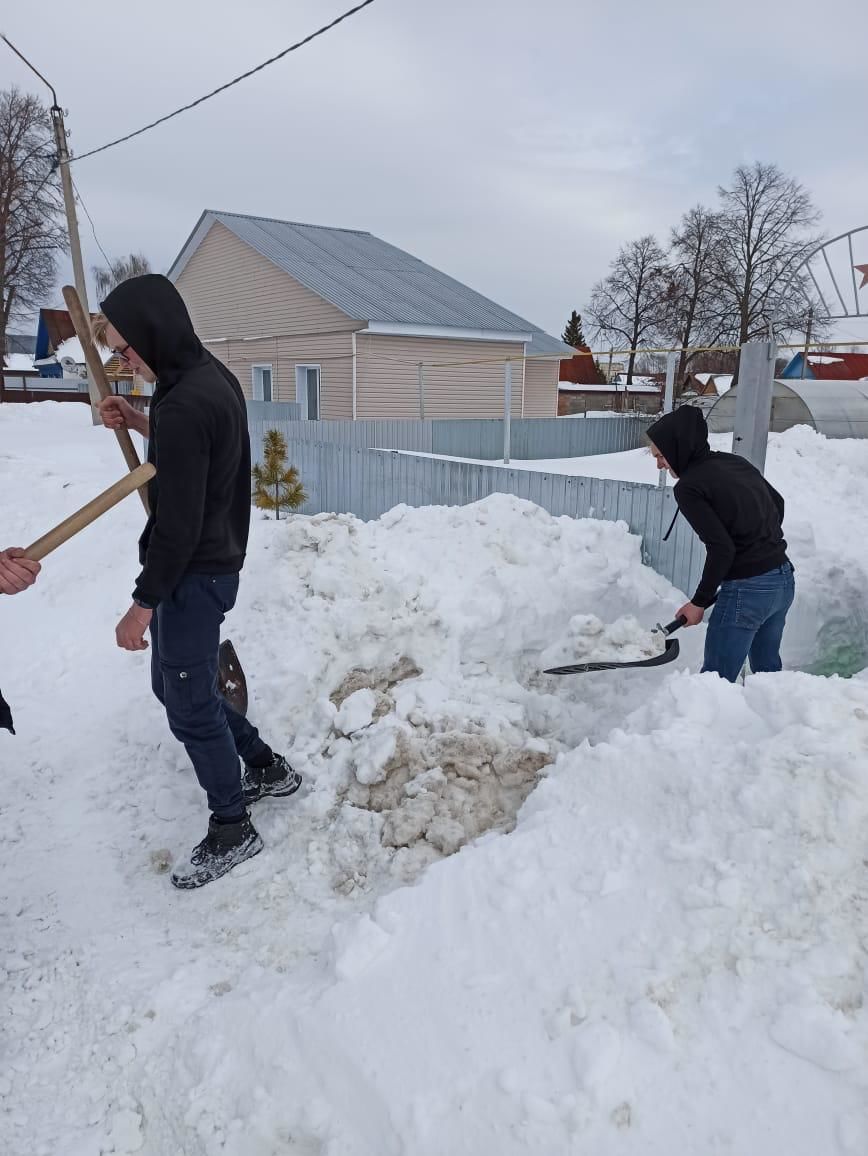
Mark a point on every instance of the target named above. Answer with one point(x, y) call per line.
point(369, 279)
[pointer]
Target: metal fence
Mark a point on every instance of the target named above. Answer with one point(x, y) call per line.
point(530, 438)
point(367, 483)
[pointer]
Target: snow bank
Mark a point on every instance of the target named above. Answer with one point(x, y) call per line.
point(665, 953)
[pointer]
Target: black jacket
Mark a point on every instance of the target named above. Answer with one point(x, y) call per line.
point(727, 501)
point(200, 497)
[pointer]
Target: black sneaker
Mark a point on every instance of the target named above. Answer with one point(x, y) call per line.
point(224, 847)
point(277, 779)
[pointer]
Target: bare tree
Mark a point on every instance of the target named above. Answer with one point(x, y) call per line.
point(31, 232)
point(694, 311)
point(109, 277)
point(768, 224)
point(630, 302)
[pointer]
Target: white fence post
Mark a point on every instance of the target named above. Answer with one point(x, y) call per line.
point(507, 409)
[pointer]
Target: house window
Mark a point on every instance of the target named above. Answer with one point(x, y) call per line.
point(307, 390)
point(262, 383)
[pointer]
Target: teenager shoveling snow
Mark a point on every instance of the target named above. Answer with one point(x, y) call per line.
point(191, 551)
point(739, 518)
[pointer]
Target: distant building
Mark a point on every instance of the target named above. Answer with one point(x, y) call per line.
point(828, 367)
point(641, 396)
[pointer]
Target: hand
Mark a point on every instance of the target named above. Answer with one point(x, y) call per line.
point(130, 631)
point(117, 413)
point(692, 614)
point(16, 571)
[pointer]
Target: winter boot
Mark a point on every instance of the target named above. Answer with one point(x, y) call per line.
point(278, 779)
point(224, 847)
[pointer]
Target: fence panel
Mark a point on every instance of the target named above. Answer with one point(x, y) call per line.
point(342, 478)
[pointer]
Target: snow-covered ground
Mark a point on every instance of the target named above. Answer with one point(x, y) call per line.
point(652, 940)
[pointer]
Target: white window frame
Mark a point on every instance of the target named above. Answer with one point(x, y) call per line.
point(301, 394)
point(253, 368)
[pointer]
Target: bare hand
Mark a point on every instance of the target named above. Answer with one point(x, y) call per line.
point(692, 614)
point(130, 631)
point(117, 413)
point(16, 571)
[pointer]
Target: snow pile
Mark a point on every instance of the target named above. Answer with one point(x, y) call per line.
point(424, 713)
point(666, 953)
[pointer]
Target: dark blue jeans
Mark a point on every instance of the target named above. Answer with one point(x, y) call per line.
point(748, 623)
point(185, 639)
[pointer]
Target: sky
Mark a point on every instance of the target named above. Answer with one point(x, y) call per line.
point(513, 145)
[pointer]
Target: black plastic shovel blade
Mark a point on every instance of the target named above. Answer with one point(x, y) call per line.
point(669, 655)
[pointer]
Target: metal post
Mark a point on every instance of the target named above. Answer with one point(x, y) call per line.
point(421, 372)
point(507, 409)
point(753, 404)
point(671, 369)
point(807, 340)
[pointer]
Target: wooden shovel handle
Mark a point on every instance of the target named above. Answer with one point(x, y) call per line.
point(89, 513)
point(98, 375)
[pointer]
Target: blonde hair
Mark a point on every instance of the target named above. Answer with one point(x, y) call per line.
point(98, 326)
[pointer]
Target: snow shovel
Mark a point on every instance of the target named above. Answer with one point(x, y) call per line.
point(230, 677)
point(669, 654)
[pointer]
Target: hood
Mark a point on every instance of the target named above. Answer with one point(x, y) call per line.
point(150, 314)
point(682, 438)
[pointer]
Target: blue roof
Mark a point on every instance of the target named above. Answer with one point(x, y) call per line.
point(370, 280)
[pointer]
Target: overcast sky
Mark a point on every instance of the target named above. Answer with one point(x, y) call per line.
point(513, 145)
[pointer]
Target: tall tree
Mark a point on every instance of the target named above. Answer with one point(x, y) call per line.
point(573, 332)
point(768, 224)
point(108, 277)
point(694, 311)
point(31, 230)
point(629, 303)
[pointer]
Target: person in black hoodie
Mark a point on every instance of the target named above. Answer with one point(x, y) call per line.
point(739, 517)
point(191, 552)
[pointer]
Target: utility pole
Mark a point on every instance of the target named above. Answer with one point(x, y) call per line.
point(59, 127)
point(65, 178)
point(69, 203)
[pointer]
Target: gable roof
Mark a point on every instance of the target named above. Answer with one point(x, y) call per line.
point(371, 280)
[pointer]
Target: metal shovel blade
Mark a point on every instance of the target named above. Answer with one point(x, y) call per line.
point(6, 715)
point(230, 677)
point(668, 655)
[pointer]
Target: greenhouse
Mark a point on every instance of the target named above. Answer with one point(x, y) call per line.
point(836, 409)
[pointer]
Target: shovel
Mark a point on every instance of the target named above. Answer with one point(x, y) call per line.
point(669, 654)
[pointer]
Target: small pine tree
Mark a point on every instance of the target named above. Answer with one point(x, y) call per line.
point(276, 484)
point(573, 332)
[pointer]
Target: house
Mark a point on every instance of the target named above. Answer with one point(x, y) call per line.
point(638, 397)
point(580, 369)
point(352, 327)
point(712, 385)
point(827, 367)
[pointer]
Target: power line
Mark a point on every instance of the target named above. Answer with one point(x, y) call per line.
point(229, 84)
point(80, 200)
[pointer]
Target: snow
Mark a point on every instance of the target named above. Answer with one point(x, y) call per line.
point(19, 363)
point(651, 938)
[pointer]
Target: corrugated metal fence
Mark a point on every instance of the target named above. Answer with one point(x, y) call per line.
point(530, 438)
point(367, 483)
point(354, 468)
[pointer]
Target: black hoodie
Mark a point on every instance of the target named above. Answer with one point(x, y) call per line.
point(200, 498)
point(727, 501)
